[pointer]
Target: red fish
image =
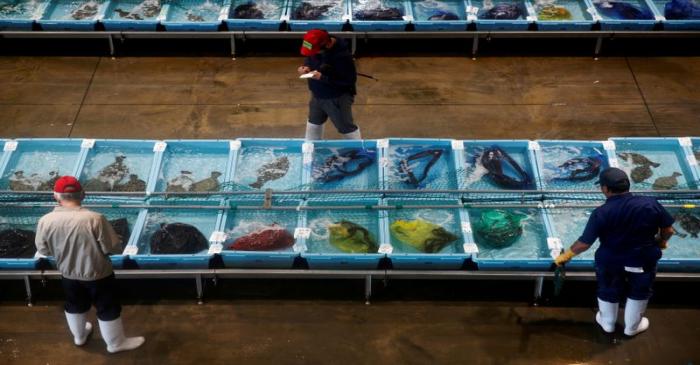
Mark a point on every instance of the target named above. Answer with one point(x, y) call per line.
point(270, 238)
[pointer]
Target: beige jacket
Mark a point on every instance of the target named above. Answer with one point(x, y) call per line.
point(80, 240)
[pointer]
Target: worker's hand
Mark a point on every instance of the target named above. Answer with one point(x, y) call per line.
point(317, 75)
point(303, 70)
point(564, 257)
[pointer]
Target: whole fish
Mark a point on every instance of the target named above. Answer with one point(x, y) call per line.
point(443, 15)
point(114, 172)
point(20, 182)
point(134, 184)
point(307, 11)
point(682, 9)
point(622, 10)
point(502, 11)
point(49, 184)
point(128, 15)
point(86, 10)
point(379, 14)
point(181, 183)
point(551, 12)
point(177, 238)
point(503, 170)
point(408, 165)
point(351, 238)
point(689, 222)
point(194, 17)
point(248, 10)
point(637, 159)
point(271, 171)
point(17, 243)
point(209, 184)
point(121, 227)
point(269, 238)
point(579, 168)
point(421, 234)
point(641, 173)
point(667, 182)
point(347, 162)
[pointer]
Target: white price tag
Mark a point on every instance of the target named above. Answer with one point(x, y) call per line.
point(307, 147)
point(37, 255)
point(223, 13)
point(307, 159)
point(131, 250)
point(660, 18)
point(533, 146)
point(614, 163)
point(10, 146)
point(407, 18)
point(466, 227)
point(298, 247)
point(217, 237)
point(553, 243)
point(284, 18)
point(159, 146)
point(554, 253)
point(685, 141)
point(345, 18)
point(471, 18)
point(382, 143)
point(302, 232)
point(457, 144)
point(234, 145)
point(531, 18)
point(472, 10)
point(386, 248)
point(87, 143)
point(609, 145)
point(692, 160)
point(470, 248)
point(215, 249)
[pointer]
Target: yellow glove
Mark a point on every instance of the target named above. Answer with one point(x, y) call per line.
point(564, 257)
point(663, 245)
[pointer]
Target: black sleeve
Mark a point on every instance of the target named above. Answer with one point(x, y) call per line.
point(342, 73)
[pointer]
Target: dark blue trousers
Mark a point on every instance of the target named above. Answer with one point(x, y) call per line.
point(614, 283)
point(80, 295)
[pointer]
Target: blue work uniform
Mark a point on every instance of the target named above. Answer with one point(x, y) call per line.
point(626, 259)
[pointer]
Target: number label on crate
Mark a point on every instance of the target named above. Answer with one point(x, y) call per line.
point(302, 232)
point(131, 250)
point(472, 10)
point(383, 143)
point(533, 146)
point(217, 237)
point(234, 145)
point(407, 18)
point(660, 18)
point(685, 141)
point(159, 146)
point(554, 243)
point(87, 143)
point(466, 227)
point(10, 146)
point(470, 248)
point(299, 247)
point(215, 249)
point(609, 145)
point(692, 160)
point(223, 13)
point(531, 18)
point(554, 253)
point(386, 248)
point(614, 163)
point(307, 147)
point(284, 18)
point(457, 144)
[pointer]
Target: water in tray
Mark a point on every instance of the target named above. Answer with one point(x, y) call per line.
point(448, 219)
point(317, 10)
point(110, 168)
point(18, 219)
point(654, 167)
point(558, 10)
point(327, 176)
point(572, 167)
point(277, 168)
point(34, 167)
point(256, 9)
point(679, 9)
point(476, 173)
point(134, 10)
point(20, 9)
point(206, 11)
point(114, 215)
point(202, 219)
point(430, 167)
point(685, 244)
point(531, 244)
point(320, 220)
point(75, 10)
point(187, 169)
point(377, 10)
point(500, 9)
point(434, 10)
point(244, 222)
point(569, 225)
point(623, 9)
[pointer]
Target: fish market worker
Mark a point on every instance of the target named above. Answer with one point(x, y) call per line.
point(332, 84)
point(632, 231)
point(81, 241)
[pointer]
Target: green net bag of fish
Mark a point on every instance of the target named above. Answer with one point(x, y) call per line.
point(499, 228)
point(351, 238)
point(423, 235)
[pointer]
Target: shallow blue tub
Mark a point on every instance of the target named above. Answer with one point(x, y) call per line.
point(447, 15)
point(524, 18)
point(553, 156)
point(262, 164)
point(240, 222)
point(34, 163)
point(677, 19)
point(194, 15)
point(582, 15)
point(109, 165)
point(693, 148)
point(610, 21)
point(24, 219)
point(567, 226)
point(317, 250)
point(404, 256)
point(399, 24)
point(273, 15)
point(332, 19)
point(668, 158)
point(118, 11)
point(20, 14)
point(683, 252)
point(206, 221)
point(195, 165)
point(73, 15)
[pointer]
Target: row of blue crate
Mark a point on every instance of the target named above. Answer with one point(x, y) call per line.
point(440, 164)
point(336, 15)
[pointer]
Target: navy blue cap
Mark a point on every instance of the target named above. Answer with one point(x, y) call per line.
point(613, 177)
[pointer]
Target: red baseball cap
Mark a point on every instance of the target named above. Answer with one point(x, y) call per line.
point(67, 184)
point(313, 41)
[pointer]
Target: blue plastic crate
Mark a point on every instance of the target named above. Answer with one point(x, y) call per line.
point(114, 21)
point(65, 14)
point(274, 11)
point(239, 222)
point(668, 153)
point(206, 221)
point(195, 15)
point(20, 14)
point(567, 225)
point(533, 250)
point(694, 150)
point(689, 23)
point(613, 23)
point(316, 248)
point(421, 11)
point(522, 22)
point(34, 163)
point(551, 154)
point(25, 218)
point(582, 13)
point(454, 220)
point(331, 20)
point(380, 25)
point(187, 165)
point(141, 158)
point(683, 252)
point(254, 156)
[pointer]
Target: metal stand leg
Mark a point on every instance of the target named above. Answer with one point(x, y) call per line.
point(200, 290)
point(28, 288)
point(539, 282)
point(233, 47)
point(111, 46)
point(368, 288)
point(354, 44)
point(475, 46)
point(598, 46)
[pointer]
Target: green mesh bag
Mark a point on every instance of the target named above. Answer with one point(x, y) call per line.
point(499, 227)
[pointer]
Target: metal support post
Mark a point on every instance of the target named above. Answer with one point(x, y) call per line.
point(368, 288)
point(200, 290)
point(539, 282)
point(353, 44)
point(475, 46)
point(28, 288)
point(598, 46)
point(111, 45)
point(233, 46)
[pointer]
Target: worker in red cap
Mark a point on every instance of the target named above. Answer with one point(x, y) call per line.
point(81, 241)
point(332, 83)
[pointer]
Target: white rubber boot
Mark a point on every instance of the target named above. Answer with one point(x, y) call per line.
point(113, 334)
point(314, 132)
point(635, 322)
point(607, 315)
point(353, 135)
point(79, 327)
